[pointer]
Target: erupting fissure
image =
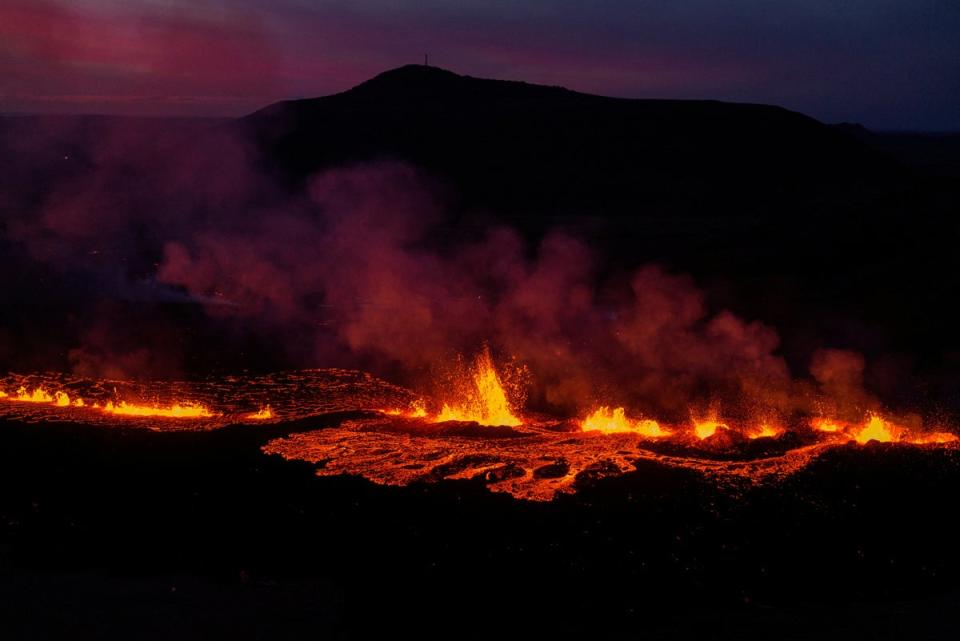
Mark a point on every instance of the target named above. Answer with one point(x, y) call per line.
point(478, 394)
point(177, 410)
point(876, 429)
point(59, 398)
point(39, 395)
point(765, 431)
point(704, 428)
point(262, 414)
point(613, 421)
point(480, 397)
point(537, 457)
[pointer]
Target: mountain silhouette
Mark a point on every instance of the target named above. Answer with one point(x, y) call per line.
point(528, 149)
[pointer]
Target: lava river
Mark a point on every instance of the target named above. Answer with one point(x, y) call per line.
point(392, 436)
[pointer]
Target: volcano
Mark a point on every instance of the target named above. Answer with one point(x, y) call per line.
point(464, 358)
point(551, 152)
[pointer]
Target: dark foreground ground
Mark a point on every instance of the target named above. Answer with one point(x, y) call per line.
point(119, 534)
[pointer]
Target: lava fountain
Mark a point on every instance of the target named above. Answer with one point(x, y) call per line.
point(342, 421)
point(614, 421)
point(483, 399)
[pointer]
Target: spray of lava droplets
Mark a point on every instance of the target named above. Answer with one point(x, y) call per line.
point(479, 431)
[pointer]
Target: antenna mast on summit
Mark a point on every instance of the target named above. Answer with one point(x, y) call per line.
point(426, 60)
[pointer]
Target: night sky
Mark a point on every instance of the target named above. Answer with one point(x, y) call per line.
point(888, 64)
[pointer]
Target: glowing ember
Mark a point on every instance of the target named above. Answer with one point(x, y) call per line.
point(177, 410)
point(612, 421)
point(876, 429)
point(484, 400)
point(262, 414)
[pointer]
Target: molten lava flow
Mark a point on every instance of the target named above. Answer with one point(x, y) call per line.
point(706, 427)
point(484, 399)
point(934, 438)
point(417, 409)
point(38, 395)
point(41, 395)
point(535, 459)
point(195, 405)
point(613, 421)
point(262, 414)
point(826, 425)
point(177, 410)
point(876, 429)
point(766, 431)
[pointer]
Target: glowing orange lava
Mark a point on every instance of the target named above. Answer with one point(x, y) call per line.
point(417, 409)
point(765, 431)
point(39, 395)
point(177, 410)
point(877, 429)
point(614, 421)
point(262, 414)
point(934, 438)
point(483, 399)
point(704, 428)
point(826, 425)
point(536, 458)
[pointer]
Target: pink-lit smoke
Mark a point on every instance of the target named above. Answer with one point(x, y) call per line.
point(364, 265)
point(363, 268)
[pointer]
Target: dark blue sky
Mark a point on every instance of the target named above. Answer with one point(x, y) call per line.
point(890, 64)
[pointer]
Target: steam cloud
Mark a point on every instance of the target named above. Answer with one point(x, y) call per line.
point(389, 293)
point(362, 270)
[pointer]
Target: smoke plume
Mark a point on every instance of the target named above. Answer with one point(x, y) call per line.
point(366, 267)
